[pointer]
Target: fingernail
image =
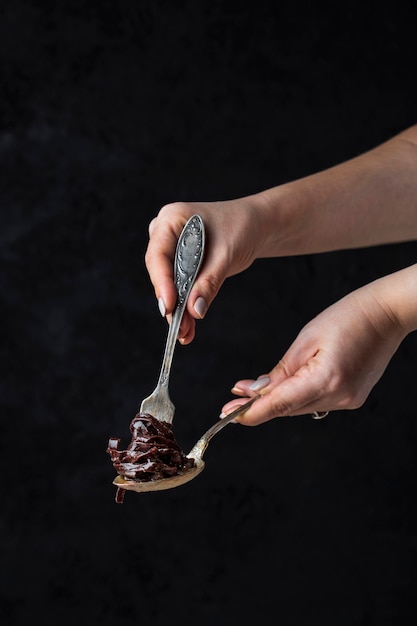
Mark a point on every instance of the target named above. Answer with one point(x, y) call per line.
point(200, 306)
point(161, 307)
point(223, 415)
point(260, 383)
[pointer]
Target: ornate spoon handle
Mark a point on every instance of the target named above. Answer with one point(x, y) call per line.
point(188, 257)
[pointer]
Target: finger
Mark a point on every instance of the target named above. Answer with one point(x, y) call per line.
point(286, 367)
point(216, 267)
point(160, 269)
point(293, 396)
point(308, 389)
point(231, 406)
point(206, 287)
point(164, 232)
point(250, 386)
point(186, 331)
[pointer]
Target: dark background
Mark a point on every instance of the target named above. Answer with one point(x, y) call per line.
point(108, 111)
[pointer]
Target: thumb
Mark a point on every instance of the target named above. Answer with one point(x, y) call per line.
point(205, 289)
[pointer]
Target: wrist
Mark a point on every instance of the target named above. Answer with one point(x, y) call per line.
point(282, 222)
point(397, 294)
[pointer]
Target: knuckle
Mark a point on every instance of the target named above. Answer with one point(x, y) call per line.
point(149, 255)
point(348, 395)
point(283, 366)
point(335, 382)
point(167, 208)
point(352, 399)
point(174, 207)
point(151, 226)
point(172, 213)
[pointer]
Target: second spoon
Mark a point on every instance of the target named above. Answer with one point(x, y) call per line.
point(196, 453)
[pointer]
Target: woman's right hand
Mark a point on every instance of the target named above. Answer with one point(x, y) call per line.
point(234, 235)
point(350, 205)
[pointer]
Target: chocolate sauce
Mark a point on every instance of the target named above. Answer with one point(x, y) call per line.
point(153, 452)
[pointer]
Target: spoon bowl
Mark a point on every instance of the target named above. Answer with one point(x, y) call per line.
point(196, 453)
point(162, 483)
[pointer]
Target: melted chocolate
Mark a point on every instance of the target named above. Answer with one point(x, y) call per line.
point(153, 452)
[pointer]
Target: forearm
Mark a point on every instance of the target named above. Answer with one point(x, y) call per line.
point(366, 201)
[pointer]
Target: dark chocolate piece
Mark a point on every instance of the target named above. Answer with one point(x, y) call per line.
point(153, 452)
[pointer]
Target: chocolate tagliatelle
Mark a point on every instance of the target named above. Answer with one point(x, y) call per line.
point(153, 452)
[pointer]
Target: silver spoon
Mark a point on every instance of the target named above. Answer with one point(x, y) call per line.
point(188, 257)
point(196, 453)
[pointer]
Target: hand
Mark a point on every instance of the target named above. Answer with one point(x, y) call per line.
point(233, 237)
point(347, 206)
point(333, 363)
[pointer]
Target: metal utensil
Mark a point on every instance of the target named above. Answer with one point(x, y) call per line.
point(196, 453)
point(188, 258)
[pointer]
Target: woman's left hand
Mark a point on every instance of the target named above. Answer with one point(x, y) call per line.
point(333, 364)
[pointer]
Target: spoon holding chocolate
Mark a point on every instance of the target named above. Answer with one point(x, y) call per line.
point(152, 473)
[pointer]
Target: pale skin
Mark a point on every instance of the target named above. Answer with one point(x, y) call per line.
point(339, 356)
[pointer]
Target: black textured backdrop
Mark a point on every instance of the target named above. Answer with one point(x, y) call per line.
point(108, 111)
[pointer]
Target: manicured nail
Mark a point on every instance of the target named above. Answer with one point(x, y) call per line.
point(223, 415)
point(200, 307)
point(260, 383)
point(161, 307)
